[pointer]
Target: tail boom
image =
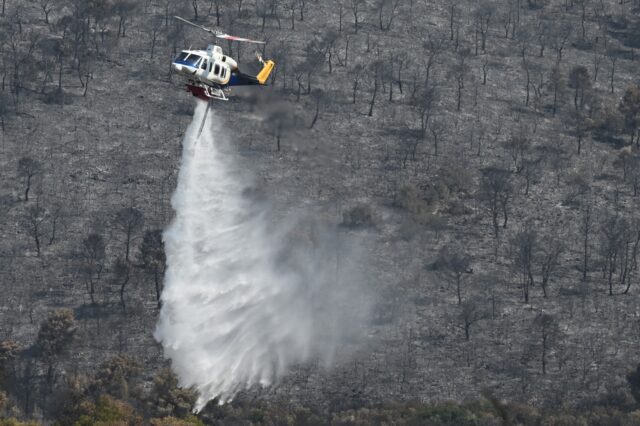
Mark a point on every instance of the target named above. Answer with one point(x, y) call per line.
point(241, 79)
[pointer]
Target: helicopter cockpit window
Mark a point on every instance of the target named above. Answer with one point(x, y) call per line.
point(204, 64)
point(181, 57)
point(187, 58)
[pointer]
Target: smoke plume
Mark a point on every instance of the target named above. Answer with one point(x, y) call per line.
point(247, 296)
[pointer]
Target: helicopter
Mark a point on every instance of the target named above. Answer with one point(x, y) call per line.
point(210, 73)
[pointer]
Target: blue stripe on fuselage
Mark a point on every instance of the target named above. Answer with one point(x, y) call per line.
point(185, 63)
point(238, 79)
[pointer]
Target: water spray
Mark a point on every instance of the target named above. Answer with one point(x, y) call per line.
point(243, 299)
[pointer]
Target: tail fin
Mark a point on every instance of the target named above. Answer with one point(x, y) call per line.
point(264, 74)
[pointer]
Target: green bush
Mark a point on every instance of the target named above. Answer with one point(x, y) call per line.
point(168, 399)
point(116, 376)
point(174, 421)
point(109, 411)
point(445, 414)
point(14, 422)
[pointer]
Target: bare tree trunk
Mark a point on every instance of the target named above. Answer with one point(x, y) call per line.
point(156, 277)
point(375, 92)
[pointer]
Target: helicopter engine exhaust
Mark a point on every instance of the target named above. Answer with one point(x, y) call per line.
point(248, 296)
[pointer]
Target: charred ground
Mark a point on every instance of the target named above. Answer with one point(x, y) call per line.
point(487, 151)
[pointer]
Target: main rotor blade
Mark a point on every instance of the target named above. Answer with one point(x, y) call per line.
point(196, 25)
point(219, 34)
point(234, 38)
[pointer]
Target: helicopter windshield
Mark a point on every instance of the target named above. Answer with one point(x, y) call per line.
point(187, 58)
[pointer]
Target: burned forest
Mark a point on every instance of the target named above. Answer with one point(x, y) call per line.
point(431, 204)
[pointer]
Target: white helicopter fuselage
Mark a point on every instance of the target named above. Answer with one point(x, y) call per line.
point(210, 73)
point(211, 66)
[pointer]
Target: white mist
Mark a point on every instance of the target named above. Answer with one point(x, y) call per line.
point(242, 304)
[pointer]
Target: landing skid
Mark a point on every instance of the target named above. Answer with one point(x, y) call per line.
point(206, 92)
point(215, 93)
